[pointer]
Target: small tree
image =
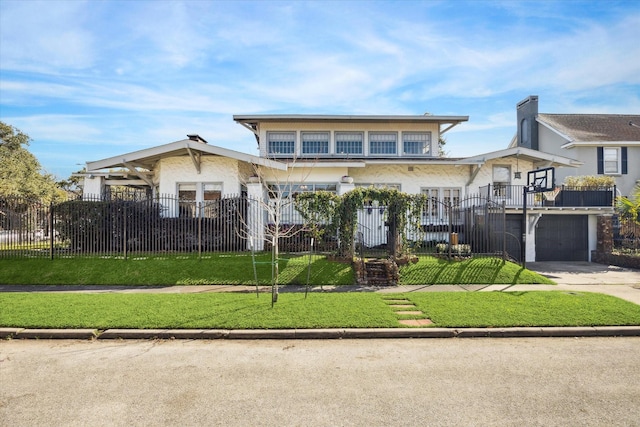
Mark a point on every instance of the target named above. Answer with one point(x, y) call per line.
point(280, 192)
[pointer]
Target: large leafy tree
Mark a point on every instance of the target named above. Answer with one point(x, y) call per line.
point(20, 172)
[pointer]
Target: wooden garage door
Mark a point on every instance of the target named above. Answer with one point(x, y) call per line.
point(562, 238)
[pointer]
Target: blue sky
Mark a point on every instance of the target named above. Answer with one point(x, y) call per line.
point(93, 79)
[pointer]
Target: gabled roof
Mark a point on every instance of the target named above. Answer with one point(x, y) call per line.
point(526, 154)
point(193, 147)
point(595, 128)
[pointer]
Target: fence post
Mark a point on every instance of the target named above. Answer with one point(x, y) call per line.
point(200, 212)
point(124, 232)
point(51, 231)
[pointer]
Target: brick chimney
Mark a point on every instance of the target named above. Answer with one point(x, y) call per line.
point(527, 111)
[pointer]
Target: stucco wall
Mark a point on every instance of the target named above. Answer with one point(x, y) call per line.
point(222, 170)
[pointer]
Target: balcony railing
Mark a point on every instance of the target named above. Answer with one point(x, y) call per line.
point(562, 196)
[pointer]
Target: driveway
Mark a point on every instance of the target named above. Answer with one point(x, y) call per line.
point(586, 273)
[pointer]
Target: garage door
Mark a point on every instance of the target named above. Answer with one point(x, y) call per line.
point(562, 238)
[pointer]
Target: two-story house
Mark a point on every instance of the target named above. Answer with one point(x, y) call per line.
point(604, 144)
point(340, 152)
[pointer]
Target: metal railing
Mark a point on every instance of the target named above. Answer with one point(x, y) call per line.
point(562, 196)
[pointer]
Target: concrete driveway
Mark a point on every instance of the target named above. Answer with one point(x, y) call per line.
point(586, 273)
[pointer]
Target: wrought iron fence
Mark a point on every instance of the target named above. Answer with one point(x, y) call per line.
point(474, 226)
point(123, 225)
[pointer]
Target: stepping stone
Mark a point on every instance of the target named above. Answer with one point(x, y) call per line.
point(416, 322)
point(397, 301)
point(409, 312)
point(401, 305)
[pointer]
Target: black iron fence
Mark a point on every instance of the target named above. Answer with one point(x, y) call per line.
point(125, 224)
point(121, 226)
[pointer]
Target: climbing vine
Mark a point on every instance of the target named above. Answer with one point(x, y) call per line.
point(340, 213)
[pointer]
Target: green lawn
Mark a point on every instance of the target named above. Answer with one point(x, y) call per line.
point(219, 269)
point(237, 269)
point(436, 271)
point(318, 310)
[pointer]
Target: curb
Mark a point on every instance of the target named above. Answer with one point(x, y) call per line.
point(280, 334)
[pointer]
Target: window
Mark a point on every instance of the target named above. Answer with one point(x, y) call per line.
point(611, 158)
point(198, 199)
point(439, 201)
point(416, 143)
point(289, 189)
point(502, 181)
point(281, 142)
point(315, 143)
point(383, 143)
point(349, 142)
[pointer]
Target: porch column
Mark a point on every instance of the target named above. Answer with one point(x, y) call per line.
point(93, 187)
point(255, 215)
point(345, 187)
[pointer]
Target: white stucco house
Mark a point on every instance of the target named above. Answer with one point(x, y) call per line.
point(339, 152)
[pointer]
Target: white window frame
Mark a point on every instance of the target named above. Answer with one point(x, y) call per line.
point(427, 146)
point(617, 160)
point(373, 135)
point(337, 140)
point(274, 151)
point(200, 189)
point(316, 141)
point(501, 188)
point(435, 212)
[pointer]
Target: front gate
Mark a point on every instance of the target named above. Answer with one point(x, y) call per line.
point(471, 226)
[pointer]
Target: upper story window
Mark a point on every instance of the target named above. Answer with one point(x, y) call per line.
point(383, 143)
point(416, 143)
point(349, 142)
point(281, 142)
point(315, 142)
point(611, 157)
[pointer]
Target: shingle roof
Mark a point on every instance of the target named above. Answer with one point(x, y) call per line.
point(594, 127)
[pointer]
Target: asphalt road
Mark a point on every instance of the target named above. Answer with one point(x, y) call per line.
point(454, 382)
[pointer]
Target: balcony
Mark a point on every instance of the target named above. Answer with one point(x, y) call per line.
point(561, 197)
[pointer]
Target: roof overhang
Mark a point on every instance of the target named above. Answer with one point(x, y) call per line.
point(252, 122)
point(528, 155)
point(147, 158)
point(573, 144)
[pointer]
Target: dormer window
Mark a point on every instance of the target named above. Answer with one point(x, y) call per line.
point(383, 143)
point(281, 142)
point(349, 142)
point(315, 142)
point(416, 143)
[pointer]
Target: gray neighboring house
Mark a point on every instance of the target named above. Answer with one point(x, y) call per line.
point(605, 144)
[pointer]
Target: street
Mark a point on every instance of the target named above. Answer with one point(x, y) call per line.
point(394, 382)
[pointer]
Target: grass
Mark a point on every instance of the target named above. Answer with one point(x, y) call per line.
point(436, 271)
point(219, 269)
point(319, 310)
point(237, 269)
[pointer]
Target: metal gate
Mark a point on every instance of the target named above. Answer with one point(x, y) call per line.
point(474, 224)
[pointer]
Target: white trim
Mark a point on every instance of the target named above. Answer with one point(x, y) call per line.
point(173, 148)
point(600, 144)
